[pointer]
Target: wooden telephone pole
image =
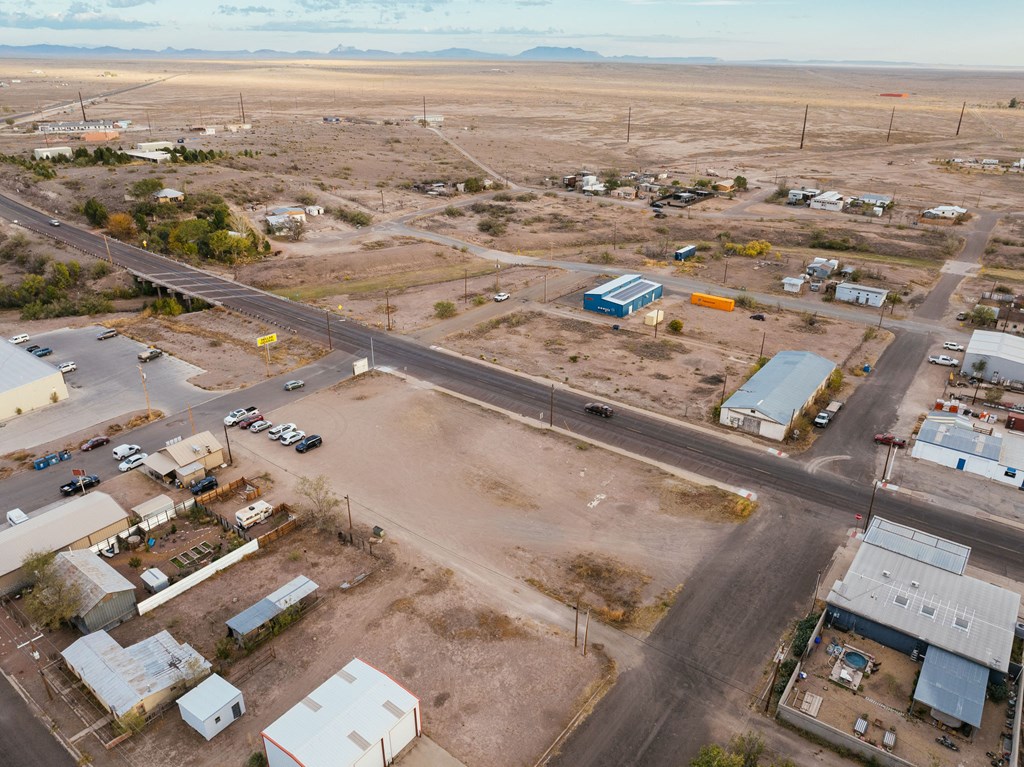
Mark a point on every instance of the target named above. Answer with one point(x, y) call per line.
point(803, 131)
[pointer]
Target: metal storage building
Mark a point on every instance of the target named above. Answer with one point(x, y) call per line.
point(27, 382)
point(88, 521)
point(906, 589)
point(829, 201)
point(108, 598)
point(771, 399)
point(622, 296)
point(211, 706)
point(248, 625)
point(853, 293)
point(135, 678)
point(360, 717)
point(951, 441)
point(1003, 355)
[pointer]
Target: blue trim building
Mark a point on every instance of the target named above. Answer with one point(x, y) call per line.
point(622, 296)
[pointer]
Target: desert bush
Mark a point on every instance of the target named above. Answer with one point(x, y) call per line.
point(675, 326)
point(492, 226)
point(445, 309)
point(453, 212)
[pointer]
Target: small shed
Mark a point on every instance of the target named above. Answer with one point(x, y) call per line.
point(253, 623)
point(686, 252)
point(314, 210)
point(154, 580)
point(161, 504)
point(793, 284)
point(211, 706)
point(48, 153)
point(169, 195)
point(829, 201)
point(108, 598)
point(725, 186)
point(822, 268)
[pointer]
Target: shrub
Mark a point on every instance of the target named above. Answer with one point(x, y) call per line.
point(445, 309)
point(745, 301)
point(134, 562)
point(804, 630)
point(676, 326)
point(258, 759)
point(453, 212)
point(95, 212)
point(492, 226)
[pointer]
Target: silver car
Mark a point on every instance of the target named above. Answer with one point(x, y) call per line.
point(292, 437)
point(259, 426)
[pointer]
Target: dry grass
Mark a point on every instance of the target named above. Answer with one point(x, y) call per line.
point(703, 502)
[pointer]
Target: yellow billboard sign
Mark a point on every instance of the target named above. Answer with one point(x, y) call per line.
point(264, 340)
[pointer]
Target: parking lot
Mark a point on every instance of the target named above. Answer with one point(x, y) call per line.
point(106, 385)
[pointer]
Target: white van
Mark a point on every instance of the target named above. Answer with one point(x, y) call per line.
point(253, 515)
point(19, 339)
point(125, 451)
point(16, 517)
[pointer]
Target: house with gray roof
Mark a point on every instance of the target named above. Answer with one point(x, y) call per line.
point(255, 622)
point(108, 598)
point(138, 678)
point(906, 589)
point(953, 441)
point(769, 402)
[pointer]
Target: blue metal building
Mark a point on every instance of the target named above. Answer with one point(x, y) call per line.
point(622, 296)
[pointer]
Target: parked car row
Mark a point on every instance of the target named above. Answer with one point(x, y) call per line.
point(287, 434)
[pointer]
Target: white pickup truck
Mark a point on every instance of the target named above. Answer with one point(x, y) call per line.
point(942, 359)
point(824, 418)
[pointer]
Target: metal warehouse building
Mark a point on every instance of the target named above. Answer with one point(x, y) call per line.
point(1002, 353)
point(769, 402)
point(359, 717)
point(27, 382)
point(108, 598)
point(622, 296)
point(89, 521)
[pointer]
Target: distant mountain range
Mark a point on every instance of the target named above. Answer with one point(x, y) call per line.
point(542, 53)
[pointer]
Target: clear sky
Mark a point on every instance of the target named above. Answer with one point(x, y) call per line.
point(936, 32)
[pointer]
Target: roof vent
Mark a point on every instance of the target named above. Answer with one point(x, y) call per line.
point(915, 585)
point(886, 574)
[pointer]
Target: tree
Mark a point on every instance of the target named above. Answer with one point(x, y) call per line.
point(983, 315)
point(296, 231)
point(323, 503)
point(445, 309)
point(95, 212)
point(1013, 103)
point(740, 182)
point(995, 395)
point(53, 600)
point(716, 756)
point(978, 366)
point(226, 247)
point(749, 747)
point(305, 198)
point(121, 226)
point(473, 185)
point(146, 187)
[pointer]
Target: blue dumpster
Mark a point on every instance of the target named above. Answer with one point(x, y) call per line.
point(65, 455)
point(40, 463)
point(53, 459)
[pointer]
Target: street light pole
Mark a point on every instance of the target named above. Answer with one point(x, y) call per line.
point(871, 505)
point(330, 344)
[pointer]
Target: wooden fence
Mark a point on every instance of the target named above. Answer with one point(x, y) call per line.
point(251, 491)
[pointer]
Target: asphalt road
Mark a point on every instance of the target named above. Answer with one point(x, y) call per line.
point(23, 735)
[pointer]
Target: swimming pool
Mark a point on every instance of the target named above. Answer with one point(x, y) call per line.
point(855, 660)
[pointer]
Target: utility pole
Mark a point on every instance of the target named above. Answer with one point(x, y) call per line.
point(387, 307)
point(465, 286)
point(382, 210)
point(881, 314)
point(803, 131)
point(629, 121)
point(726, 275)
point(82, 103)
point(551, 415)
point(330, 344)
point(227, 441)
point(348, 504)
point(764, 335)
point(586, 633)
point(576, 631)
point(149, 412)
point(424, 111)
point(241, 106)
point(891, 118)
point(191, 420)
point(960, 122)
point(814, 596)
point(545, 286)
point(725, 378)
point(871, 504)
point(771, 685)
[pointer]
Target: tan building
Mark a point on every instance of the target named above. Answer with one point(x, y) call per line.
point(48, 153)
point(169, 195)
point(94, 519)
point(27, 382)
point(187, 460)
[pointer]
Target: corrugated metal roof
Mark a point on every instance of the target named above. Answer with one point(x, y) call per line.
point(18, 367)
point(353, 707)
point(919, 545)
point(960, 614)
point(94, 577)
point(853, 286)
point(1012, 453)
point(192, 448)
point(957, 434)
point(783, 385)
point(160, 463)
point(629, 292)
point(612, 285)
point(63, 523)
point(209, 697)
point(989, 343)
point(953, 685)
point(153, 506)
point(122, 676)
point(271, 606)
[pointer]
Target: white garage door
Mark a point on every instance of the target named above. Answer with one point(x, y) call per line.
point(403, 732)
point(372, 758)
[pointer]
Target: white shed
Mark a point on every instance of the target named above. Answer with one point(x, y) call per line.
point(154, 580)
point(360, 717)
point(852, 293)
point(792, 284)
point(211, 706)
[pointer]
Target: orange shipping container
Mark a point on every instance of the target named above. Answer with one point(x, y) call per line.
point(713, 302)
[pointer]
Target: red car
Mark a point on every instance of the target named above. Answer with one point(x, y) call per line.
point(248, 421)
point(889, 439)
point(95, 442)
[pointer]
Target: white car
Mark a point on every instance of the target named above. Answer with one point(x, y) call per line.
point(953, 346)
point(942, 359)
point(54, 222)
point(502, 297)
point(261, 425)
point(125, 451)
point(283, 428)
point(292, 437)
point(131, 463)
point(21, 338)
point(67, 367)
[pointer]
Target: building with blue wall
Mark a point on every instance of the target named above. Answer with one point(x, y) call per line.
point(622, 296)
point(906, 589)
